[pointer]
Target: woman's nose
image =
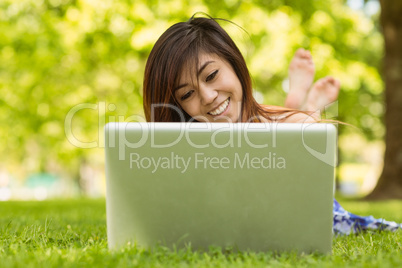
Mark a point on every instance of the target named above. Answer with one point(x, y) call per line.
point(207, 95)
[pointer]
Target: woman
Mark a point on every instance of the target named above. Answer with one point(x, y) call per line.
point(195, 72)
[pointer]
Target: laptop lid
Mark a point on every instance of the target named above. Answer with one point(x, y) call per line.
point(251, 186)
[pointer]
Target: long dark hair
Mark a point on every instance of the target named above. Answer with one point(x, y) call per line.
point(180, 46)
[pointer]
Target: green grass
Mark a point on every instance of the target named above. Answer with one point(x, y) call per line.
point(72, 233)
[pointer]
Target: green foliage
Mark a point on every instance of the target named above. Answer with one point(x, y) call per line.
point(72, 233)
point(57, 54)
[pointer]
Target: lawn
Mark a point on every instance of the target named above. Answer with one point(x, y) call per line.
point(72, 233)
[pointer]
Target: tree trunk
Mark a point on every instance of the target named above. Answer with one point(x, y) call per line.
point(390, 183)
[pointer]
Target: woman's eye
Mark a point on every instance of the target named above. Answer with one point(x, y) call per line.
point(211, 76)
point(187, 95)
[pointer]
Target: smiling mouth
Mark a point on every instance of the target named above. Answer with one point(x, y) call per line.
point(221, 108)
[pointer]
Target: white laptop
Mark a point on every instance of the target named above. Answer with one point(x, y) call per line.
point(247, 186)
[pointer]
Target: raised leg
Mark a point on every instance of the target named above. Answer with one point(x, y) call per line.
point(301, 76)
point(322, 93)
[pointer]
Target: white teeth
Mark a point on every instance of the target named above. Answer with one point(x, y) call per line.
point(221, 108)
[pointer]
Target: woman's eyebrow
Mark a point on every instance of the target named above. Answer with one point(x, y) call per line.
point(198, 74)
point(180, 86)
point(203, 67)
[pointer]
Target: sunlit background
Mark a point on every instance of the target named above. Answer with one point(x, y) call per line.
point(68, 67)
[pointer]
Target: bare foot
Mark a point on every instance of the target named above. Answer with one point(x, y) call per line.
point(323, 92)
point(301, 76)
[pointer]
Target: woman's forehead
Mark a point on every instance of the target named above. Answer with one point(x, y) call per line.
point(193, 68)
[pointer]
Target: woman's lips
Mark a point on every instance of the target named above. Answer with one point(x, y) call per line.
point(222, 108)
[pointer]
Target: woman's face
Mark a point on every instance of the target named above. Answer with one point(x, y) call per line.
point(213, 94)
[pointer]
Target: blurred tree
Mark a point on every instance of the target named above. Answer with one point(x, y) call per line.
point(390, 182)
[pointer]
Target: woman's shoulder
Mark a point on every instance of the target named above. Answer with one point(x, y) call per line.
point(286, 115)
